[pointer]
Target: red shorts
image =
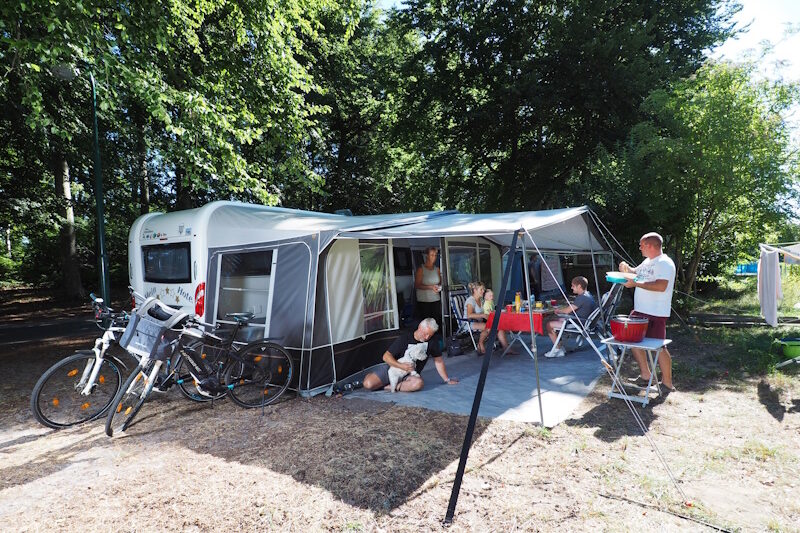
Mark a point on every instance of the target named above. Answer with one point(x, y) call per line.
point(656, 325)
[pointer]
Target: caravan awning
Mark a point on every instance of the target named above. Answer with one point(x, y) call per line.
point(564, 230)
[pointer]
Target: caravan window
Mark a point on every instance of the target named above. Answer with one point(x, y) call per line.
point(469, 261)
point(376, 286)
point(167, 263)
point(245, 284)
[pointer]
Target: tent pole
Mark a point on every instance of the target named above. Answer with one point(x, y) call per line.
point(445, 307)
point(533, 331)
point(596, 282)
point(476, 403)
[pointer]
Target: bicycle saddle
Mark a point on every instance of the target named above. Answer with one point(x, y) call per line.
point(241, 318)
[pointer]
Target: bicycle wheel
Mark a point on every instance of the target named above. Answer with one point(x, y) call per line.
point(261, 374)
point(188, 385)
point(57, 400)
point(129, 400)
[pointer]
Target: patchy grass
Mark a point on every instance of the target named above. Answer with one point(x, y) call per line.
point(730, 435)
point(738, 295)
point(752, 450)
point(752, 350)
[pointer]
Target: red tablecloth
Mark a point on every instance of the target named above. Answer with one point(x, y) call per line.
point(518, 321)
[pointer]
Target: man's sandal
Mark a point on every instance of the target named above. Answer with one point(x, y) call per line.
point(638, 381)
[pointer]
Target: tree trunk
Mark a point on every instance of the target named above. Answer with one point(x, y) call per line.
point(183, 191)
point(342, 199)
point(691, 272)
point(70, 268)
point(144, 179)
point(8, 242)
point(680, 273)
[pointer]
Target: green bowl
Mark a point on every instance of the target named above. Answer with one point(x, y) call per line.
point(791, 348)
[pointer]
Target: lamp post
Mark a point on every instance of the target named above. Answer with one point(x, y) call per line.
point(69, 73)
point(105, 284)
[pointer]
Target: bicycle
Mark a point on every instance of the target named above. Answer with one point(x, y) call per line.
point(252, 375)
point(82, 386)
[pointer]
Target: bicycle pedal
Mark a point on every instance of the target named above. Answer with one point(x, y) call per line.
point(163, 385)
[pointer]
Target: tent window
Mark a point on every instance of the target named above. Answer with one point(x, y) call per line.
point(167, 263)
point(470, 262)
point(245, 284)
point(376, 287)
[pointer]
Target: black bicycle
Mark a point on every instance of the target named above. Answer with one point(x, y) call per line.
point(211, 365)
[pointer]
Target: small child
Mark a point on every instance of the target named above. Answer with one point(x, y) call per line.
point(488, 301)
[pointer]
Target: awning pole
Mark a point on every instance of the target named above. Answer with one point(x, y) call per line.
point(444, 306)
point(476, 403)
point(533, 331)
point(596, 283)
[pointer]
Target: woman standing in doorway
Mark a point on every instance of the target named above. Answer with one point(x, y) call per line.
point(428, 283)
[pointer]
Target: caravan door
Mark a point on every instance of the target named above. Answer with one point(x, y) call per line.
point(246, 284)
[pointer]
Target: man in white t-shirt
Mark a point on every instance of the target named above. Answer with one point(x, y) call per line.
point(655, 279)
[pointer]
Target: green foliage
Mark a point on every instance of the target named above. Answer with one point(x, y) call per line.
point(354, 146)
point(713, 168)
point(514, 97)
point(327, 104)
point(8, 269)
point(196, 101)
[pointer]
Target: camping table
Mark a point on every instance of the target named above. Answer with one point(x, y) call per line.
point(651, 347)
point(518, 323)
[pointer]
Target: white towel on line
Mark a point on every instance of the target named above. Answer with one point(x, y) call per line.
point(769, 286)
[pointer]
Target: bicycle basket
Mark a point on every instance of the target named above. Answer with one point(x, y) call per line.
point(145, 333)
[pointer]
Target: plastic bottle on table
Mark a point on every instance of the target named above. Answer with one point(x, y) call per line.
point(518, 301)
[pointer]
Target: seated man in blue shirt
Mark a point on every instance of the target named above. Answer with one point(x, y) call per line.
point(582, 306)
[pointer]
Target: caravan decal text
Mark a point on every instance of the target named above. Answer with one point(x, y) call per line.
point(170, 296)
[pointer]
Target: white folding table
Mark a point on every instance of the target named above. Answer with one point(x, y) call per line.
point(651, 347)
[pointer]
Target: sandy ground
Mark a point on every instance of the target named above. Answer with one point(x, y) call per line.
point(330, 464)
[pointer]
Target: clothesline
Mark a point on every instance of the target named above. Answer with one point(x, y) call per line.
point(771, 248)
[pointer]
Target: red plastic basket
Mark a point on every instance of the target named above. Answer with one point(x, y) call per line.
point(628, 329)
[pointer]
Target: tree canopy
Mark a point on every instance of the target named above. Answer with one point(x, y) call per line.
point(325, 104)
point(712, 165)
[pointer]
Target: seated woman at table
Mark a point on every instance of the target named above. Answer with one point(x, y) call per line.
point(473, 309)
point(582, 306)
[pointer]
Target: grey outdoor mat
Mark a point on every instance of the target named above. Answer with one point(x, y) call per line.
point(510, 391)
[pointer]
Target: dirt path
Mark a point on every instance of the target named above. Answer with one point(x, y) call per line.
point(345, 465)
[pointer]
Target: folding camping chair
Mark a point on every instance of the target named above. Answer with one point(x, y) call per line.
point(596, 323)
point(457, 299)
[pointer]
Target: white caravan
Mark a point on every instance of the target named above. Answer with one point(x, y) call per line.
point(326, 286)
point(168, 254)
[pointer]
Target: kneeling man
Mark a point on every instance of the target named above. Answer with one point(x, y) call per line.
point(410, 383)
